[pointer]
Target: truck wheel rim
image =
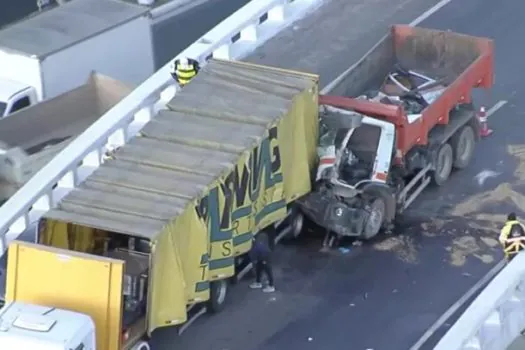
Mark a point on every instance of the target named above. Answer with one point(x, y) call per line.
point(221, 292)
point(465, 144)
point(375, 220)
point(297, 224)
point(144, 346)
point(444, 163)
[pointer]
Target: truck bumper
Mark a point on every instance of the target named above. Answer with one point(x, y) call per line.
point(333, 215)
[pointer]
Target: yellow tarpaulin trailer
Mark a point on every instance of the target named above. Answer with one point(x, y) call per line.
point(234, 147)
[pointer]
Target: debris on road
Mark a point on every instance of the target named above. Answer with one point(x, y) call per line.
point(479, 209)
point(466, 246)
point(518, 151)
point(403, 246)
point(484, 175)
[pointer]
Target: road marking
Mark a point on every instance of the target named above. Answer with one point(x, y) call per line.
point(429, 12)
point(496, 107)
point(452, 309)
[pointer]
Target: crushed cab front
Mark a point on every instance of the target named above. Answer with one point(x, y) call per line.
point(332, 214)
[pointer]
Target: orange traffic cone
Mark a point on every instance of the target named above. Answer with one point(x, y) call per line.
point(484, 130)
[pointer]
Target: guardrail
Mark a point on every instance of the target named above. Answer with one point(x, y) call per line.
point(496, 317)
point(233, 38)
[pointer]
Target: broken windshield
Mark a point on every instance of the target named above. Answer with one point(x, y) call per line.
point(327, 139)
point(329, 134)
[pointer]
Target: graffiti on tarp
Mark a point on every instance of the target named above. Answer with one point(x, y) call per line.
point(246, 194)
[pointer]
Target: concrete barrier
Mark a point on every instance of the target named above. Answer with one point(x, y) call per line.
point(496, 317)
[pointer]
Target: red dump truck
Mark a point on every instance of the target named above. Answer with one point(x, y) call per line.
point(409, 122)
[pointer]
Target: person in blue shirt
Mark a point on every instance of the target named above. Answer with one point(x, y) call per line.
point(260, 255)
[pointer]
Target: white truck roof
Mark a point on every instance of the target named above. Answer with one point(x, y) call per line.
point(9, 88)
point(66, 25)
point(25, 326)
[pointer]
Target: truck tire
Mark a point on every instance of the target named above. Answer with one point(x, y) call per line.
point(463, 144)
point(141, 345)
point(218, 293)
point(443, 166)
point(296, 223)
point(376, 219)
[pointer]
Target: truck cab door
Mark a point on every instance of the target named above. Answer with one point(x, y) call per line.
point(385, 151)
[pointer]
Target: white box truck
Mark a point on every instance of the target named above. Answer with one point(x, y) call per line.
point(56, 51)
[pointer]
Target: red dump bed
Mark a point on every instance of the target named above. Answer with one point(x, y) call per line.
point(461, 62)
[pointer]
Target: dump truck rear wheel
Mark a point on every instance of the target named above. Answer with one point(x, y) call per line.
point(463, 144)
point(218, 293)
point(443, 166)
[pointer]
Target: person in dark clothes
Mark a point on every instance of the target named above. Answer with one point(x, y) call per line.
point(260, 255)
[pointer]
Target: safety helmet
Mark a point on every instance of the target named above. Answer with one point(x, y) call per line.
point(183, 61)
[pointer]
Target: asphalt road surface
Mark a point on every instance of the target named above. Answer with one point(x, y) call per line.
point(385, 294)
point(173, 35)
point(14, 10)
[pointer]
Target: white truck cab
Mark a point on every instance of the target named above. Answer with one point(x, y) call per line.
point(375, 139)
point(25, 326)
point(15, 96)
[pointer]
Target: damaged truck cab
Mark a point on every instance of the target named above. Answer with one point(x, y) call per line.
point(354, 154)
point(408, 123)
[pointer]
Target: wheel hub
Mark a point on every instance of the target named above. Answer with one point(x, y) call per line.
point(221, 293)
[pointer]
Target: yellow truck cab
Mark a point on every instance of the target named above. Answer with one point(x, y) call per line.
point(157, 229)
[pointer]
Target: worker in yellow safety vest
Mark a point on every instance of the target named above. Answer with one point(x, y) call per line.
point(512, 237)
point(184, 69)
